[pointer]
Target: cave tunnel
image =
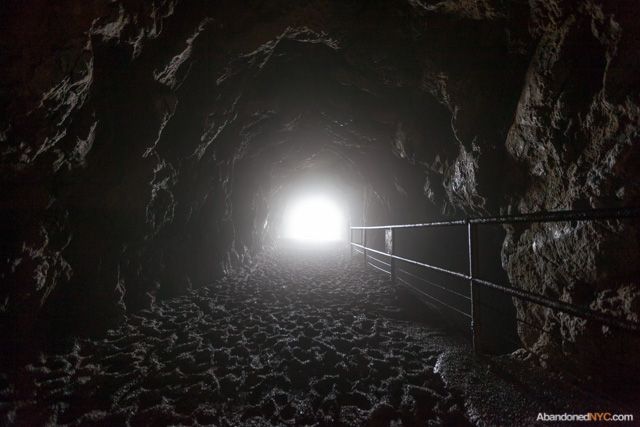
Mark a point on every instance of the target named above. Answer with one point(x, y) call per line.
point(248, 213)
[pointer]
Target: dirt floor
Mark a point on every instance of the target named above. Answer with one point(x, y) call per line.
point(301, 337)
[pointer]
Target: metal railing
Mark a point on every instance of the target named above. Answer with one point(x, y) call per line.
point(471, 275)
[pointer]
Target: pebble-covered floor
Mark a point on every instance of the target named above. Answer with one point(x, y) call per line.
point(300, 338)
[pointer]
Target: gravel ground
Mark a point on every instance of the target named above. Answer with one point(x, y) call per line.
point(302, 337)
point(299, 338)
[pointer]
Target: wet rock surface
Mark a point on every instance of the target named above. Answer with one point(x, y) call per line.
point(304, 342)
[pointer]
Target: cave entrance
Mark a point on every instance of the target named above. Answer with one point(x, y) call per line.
point(314, 218)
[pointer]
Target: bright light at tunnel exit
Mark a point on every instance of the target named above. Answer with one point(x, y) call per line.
point(314, 219)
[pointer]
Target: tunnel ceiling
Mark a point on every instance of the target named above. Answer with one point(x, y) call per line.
point(143, 141)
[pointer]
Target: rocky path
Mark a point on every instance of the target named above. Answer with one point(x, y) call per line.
point(300, 338)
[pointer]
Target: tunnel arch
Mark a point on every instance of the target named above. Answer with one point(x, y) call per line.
point(158, 135)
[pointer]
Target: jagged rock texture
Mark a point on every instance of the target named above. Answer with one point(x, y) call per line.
point(317, 341)
point(143, 143)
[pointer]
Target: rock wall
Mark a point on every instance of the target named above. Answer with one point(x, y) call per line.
point(575, 133)
point(144, 143)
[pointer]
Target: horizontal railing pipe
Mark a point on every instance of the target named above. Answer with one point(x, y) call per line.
point(522, 294)
point(551, 216)
point(421, 225)
point(565, 307)
point(418, 263)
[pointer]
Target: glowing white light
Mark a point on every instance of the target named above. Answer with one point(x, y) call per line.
point(314, 219)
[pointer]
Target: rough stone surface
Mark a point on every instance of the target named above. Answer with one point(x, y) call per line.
point(575, 133)
point(143, 143)
point(302, 337)
point(298, 339)
point(146, 139)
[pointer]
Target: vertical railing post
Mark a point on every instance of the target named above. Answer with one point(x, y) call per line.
point(364, 246)
point(350, 243)
point(473, 291)
point(392, 252)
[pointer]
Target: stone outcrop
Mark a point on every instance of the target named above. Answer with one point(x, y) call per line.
point(575, 133)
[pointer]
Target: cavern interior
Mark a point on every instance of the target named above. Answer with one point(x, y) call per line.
point(187, 186)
